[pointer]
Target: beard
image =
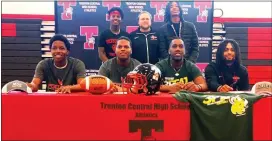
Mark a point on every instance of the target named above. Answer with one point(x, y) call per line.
point(177, 58)
point(145, 28)
point(123, 59)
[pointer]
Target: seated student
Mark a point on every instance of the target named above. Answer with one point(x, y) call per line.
point(61, 73)
point(179, 73)
point(227, 73)
point(122, 64)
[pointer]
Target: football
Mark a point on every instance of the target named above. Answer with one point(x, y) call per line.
point(96, 84)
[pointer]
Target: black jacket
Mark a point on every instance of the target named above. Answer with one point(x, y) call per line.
point(143, 43)
point(188, 35)
point(220, 75)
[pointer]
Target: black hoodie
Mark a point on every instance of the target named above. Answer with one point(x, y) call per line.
point(188, 35)
point(236, 77)
point(145, 46)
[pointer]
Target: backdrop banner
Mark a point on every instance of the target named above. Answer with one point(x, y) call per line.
point(82, 22)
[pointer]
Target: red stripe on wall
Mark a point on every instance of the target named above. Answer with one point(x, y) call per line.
point(8, 29)
point(253, 44)
point(259, 50)
point(8, 26)
point(259, 68)
point(257, 20)
point(8, 33)
point(259, 30)
point(258, 56)
point(259, 43)
point(260, 74)
point(255, 80)
point(28, 16)
point(262, 37)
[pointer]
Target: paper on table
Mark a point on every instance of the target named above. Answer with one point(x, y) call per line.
point(120, 93)
point(43, 92)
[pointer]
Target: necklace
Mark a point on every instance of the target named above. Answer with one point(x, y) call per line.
point(116, 33)
point(176, 31)
point(61, 67)
point(176, 71)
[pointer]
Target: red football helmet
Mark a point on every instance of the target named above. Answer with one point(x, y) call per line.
point(134, 82)
point(145, 78)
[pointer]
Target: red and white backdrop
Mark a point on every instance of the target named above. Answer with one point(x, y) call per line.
point(82, 22)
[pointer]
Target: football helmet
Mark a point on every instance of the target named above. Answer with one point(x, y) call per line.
point(145, 78)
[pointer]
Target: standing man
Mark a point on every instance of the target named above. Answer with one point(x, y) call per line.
point(179, 73)
point(227, 74)
point(120, 65)
point(61, 73)
point(176, 26)
point(145, 42)
point(108, 38)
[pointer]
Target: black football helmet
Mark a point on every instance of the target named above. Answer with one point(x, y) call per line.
point(145, 78)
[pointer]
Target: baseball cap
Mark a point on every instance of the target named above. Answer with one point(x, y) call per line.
point(262, 88)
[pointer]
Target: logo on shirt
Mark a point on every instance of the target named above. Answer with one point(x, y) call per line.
point(53, 87)
point(67, 13)
point(238, 107)
point(153, 37)
point(113, 47)
point(235, 79)
point(172, 80)
point(112, 43)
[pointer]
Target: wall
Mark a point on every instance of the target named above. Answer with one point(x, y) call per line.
point(37, 8)
point(231, 9)
point(244, 9)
